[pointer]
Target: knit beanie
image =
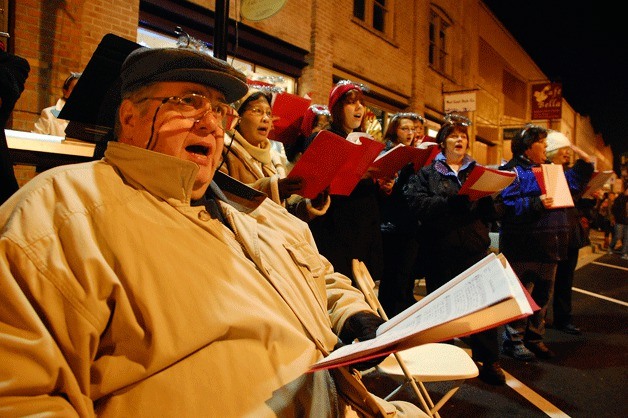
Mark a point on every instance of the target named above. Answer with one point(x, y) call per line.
point(556, 140)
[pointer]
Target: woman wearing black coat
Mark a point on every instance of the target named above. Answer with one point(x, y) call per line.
point(453, 231)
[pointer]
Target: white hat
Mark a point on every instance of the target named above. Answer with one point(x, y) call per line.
point(556, 140)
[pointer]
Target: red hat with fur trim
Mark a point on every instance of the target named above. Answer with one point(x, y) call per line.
point(340, 89)
point(310, 116)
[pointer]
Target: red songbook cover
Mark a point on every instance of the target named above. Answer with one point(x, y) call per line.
point(335, 162)
point(484, 181)
point(359, 160)
point(538, 173)
point(430, 151)
point(288, 110)
point(396, 158)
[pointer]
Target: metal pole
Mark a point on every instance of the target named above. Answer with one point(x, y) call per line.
point(220, 29)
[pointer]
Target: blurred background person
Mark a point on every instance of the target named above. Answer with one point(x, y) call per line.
point(315, 119)
point(453, 234)
point(603, 217)
point(49, 122)
point(13, 74)
point(558, 151)
point(400, 248)
point(619, 212)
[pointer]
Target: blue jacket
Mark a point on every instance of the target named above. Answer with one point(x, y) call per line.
point(529, 232)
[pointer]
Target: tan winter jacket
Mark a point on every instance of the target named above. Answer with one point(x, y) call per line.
point(120, 299)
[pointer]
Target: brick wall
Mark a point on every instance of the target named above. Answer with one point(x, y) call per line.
point(59, 37)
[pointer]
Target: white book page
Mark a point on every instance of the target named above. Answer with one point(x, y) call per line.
point(482, 288)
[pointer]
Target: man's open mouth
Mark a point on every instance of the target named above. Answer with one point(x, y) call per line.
point(197, 149)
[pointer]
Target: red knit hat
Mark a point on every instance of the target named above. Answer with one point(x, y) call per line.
point(310, 115)
point(340, 89)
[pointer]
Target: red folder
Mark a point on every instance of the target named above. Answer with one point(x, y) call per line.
point(552, 181)
point(398, 157)
point(333, 161)
point(484, 181)
point(288, 110)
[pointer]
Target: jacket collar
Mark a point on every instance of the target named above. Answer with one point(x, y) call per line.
point(169, 178)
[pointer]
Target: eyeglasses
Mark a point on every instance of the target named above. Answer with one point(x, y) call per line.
point(195, 106)
point(258, 111)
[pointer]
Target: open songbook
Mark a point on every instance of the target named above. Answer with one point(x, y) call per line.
point(335, 162)
point(396, 158)
point(484, 296)
point(598, 180)
point(551, 179)
point(484, 181)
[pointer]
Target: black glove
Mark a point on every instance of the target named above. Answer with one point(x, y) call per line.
point(289, 186)
point(362, 326)
point(319, 201)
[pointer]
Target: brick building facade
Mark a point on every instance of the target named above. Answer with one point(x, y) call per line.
point(317, 42)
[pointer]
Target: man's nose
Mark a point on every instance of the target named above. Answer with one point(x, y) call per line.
point(208, 121)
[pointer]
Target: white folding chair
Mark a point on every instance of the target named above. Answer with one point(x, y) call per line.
point(436, 362)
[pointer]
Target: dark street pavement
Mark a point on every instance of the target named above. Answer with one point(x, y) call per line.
point(588, 376)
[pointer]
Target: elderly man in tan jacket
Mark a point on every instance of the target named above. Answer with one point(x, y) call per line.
point(137, 286)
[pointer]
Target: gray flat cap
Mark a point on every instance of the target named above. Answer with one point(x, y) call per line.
point(148, 65)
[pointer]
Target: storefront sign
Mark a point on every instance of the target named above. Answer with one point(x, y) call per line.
point(509, 133)
point(547, 99)
point(460, 102)
point(257, 10)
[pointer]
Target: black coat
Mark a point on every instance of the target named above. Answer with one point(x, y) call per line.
point(351, 229)
point(453, 231)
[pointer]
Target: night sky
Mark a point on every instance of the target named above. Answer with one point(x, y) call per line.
point(583, 45)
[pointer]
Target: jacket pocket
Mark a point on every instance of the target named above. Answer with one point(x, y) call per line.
point(312, 267)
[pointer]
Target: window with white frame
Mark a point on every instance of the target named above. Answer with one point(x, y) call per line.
point(375, 14)
point(438, 53)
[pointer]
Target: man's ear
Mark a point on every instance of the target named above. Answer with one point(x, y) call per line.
point(127, 114)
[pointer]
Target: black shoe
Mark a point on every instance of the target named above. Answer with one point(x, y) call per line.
point(569, 329)
point(492, 374)
point(540, 350)
point(518, 351)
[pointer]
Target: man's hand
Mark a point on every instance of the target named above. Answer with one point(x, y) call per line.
point(362, 326)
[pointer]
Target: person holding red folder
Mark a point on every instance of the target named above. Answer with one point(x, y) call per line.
point(534, 237)
point(351, 227)
point(453, 232)
point(250, 158)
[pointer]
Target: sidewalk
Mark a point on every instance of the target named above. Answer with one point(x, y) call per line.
point(592, 252)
